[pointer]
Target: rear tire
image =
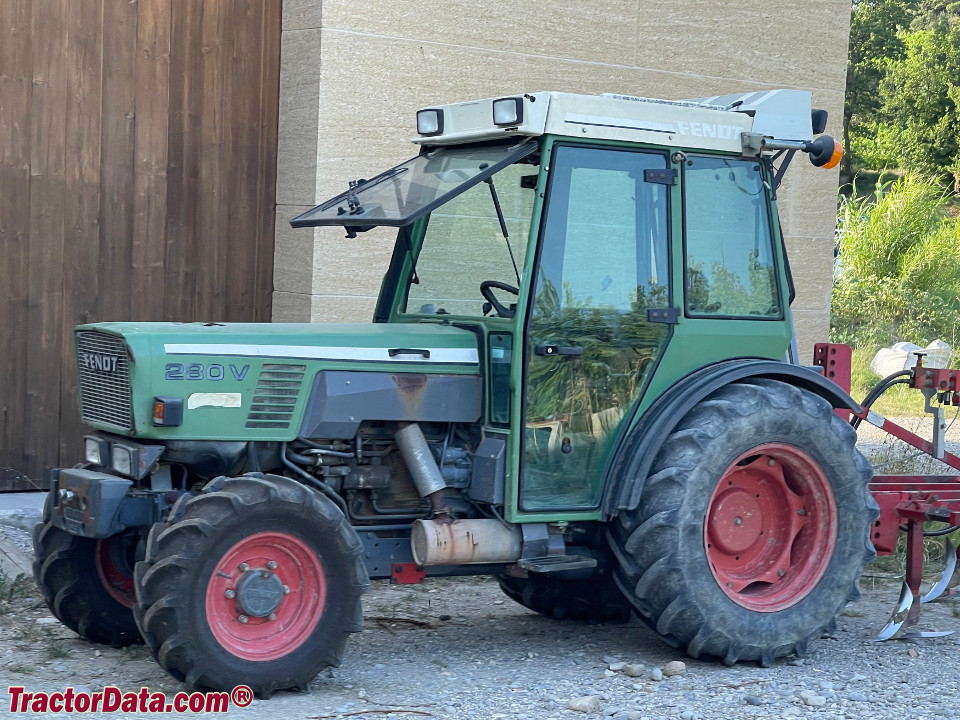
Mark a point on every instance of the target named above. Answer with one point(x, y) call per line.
point(752, 529)
point(254, 581)
point(87, 583)
point(592, 600)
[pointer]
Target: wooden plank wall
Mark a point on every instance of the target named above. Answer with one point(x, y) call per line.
point(137, 182)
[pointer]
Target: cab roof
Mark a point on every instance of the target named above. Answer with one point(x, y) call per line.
point(710, 123)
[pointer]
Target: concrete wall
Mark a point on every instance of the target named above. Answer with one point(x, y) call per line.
point(354, 74)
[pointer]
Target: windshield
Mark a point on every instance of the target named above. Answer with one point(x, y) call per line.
point(405, 193)
point(464, 246)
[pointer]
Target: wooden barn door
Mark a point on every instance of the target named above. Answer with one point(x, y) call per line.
point(137, 182)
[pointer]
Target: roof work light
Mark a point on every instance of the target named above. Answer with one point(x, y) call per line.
point(508, 111)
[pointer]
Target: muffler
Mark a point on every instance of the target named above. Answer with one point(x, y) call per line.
point(465, 542)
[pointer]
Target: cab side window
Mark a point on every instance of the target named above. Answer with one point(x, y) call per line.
point(729, 269)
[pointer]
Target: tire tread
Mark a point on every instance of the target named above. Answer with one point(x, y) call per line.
point(176, 547)
point(644, 539)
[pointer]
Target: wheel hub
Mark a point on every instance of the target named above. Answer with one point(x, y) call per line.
point(259, 593)
point(265, 596)
point(114, 558)
point(770, 527)
point(737, 521)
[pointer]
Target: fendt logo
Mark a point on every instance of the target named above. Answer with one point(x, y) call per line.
point(98, 361)
point(710, 130)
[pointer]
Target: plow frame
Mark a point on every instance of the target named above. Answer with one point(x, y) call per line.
point(908, 501)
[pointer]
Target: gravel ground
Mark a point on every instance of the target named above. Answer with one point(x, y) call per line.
point(459, 649)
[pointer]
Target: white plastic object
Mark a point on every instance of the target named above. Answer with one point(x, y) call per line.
point(902, 356)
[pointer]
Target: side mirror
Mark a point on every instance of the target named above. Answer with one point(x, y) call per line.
point(819, 120)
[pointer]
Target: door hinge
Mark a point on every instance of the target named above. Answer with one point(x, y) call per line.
point(663, 315)
point(661, 177)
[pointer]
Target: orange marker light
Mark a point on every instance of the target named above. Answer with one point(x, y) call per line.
point(167, 411)
point(837, 154)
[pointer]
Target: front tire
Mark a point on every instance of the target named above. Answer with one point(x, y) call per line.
point(87, 583)
point(752, 529)
point(254, 581)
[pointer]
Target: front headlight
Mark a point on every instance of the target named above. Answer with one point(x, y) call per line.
point(122, 460)
point(94, 450)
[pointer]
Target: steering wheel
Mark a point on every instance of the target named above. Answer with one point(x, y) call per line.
point(485, 290)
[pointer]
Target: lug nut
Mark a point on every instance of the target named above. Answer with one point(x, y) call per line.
point(272, 616)
point(781, 572)
point(286, 590)
point(801, 511)
point(243, 619)
point(243, 567)
point(738, 522)
point(272, 565)
point(229, 594)
point(730, 585)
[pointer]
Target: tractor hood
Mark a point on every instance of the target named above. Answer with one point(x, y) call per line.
point(243, 381)
point(442, 347)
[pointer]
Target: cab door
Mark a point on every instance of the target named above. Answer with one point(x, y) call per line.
point(602, 263)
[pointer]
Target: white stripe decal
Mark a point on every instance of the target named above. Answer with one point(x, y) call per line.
point(578, 119)
point(445, 356)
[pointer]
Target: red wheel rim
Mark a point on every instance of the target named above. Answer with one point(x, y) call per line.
point(305, 594)
point(770, 527)
point(110, 558)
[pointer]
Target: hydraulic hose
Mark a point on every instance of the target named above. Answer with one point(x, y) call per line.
point(897, 378)
point(324, 449)
point(253, 457)
point(312, 481)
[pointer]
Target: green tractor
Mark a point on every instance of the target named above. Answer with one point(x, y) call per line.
point(581, 379)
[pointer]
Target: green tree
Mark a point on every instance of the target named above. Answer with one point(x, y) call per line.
point(920, 98)
point(931, 13)
point(874, 44)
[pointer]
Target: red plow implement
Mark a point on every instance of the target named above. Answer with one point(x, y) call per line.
point(908, 502)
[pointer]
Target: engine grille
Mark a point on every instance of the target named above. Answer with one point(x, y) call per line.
point(276, 396)
point(103, 372)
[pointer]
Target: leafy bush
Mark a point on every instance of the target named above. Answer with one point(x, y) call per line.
point(876, 145)
point(898, 270)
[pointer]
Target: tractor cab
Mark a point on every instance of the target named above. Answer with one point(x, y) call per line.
point(600, 247)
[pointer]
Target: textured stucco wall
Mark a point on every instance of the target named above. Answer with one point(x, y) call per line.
point(353, 75)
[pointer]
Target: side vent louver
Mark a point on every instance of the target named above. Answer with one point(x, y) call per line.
point(276, 396)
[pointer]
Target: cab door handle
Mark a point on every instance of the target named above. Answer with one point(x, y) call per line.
point(557, 350)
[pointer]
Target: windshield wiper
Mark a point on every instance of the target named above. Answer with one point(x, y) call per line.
point(503, 223)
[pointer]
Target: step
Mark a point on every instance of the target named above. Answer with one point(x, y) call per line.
point(557, 563)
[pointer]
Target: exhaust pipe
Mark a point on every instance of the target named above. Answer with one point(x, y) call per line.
point(465, 542)
point(423, 468)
